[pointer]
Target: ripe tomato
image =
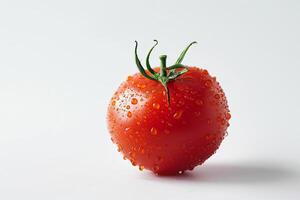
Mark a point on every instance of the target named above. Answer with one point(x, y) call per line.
point(168, 128)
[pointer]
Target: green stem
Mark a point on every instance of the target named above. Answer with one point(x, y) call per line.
point(163, 67)
point(147, 59)
point(166, 73)
point(139, 65)
point(179, 60)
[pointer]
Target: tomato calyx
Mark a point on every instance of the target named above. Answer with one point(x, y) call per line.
point(166, 74)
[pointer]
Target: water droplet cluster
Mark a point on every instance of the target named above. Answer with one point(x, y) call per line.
point(152, 135)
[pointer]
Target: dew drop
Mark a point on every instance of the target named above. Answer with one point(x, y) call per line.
point(156, 106)
point(132, 154)
point(113, 103)
point(112, 140)
point(169, 124)
point(142, 86)
point(141, 167)
point(129, 78)
point(134, 101)
point(156, 168)
point(129, 114)
point(133, 162)
point(199, 102)
point(198, 113)
point(153, 131)
point(120, 147)
point(208, 83)
point(228, 116)
point(128, 107)
point(178, 114)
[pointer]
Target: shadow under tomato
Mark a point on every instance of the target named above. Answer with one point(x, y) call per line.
point(234, 174)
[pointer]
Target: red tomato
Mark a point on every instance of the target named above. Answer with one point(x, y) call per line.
point(169, 136)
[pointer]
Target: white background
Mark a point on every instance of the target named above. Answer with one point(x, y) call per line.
point(61, 61)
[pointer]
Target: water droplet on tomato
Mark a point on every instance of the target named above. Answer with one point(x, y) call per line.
point(129, 78)
point(128, 107)
point(113, 103)
point(180, 172)
point(199, 102)
point(156, 106)
point(120, 147)
point(132, 154)
point(142, 150)
point(133, 162)
point(141, 167)
point(217, 96)
point(129, 114)
point(156, 168)
point(228, 116)
point(134, 101)
point(208, 83)
point(180, 102)
point(178, 114)
point(169, 124)
point(153, 131)
point(198, 113)
point(142, 86)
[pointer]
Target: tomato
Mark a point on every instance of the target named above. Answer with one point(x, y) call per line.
point(168, 128)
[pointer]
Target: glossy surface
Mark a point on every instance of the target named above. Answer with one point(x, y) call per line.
point(169, 139)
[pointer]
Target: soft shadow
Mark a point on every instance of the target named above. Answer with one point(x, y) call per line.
point(235, 174)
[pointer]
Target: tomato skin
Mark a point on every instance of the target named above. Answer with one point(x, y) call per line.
point(168, 139)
